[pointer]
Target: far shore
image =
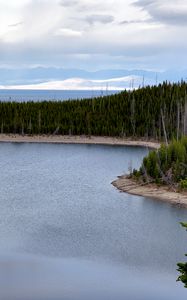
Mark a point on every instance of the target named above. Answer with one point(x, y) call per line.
point(71, 139)
point(163, 193)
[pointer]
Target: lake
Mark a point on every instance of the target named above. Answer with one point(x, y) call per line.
point(50, 95)
point(67, 233)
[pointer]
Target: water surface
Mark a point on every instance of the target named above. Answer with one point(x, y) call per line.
point(52, 95)
point(67, 233)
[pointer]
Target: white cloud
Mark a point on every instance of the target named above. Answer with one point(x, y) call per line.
point(81, 84)
point(67, 32)
point(103, 19)
point(112, 33)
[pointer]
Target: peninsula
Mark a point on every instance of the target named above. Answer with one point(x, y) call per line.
point(163, 193)
point(162, 175)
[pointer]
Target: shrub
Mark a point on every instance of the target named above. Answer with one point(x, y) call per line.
point(183, 184)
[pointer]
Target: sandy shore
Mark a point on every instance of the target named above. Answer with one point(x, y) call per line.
point(76, 140)
point(124, 184)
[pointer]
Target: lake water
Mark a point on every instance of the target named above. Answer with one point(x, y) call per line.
point(42, 95)
point(67, 233)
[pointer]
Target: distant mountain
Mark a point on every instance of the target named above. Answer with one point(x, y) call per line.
point(38, 75)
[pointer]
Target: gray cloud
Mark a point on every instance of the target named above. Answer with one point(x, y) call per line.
point(172, 13)
point(90, 54)
point(144, 3)
point(104, 19)
point(16, 24)
point(68, 3)
point(125, 22)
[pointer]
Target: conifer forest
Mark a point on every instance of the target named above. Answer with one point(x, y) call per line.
point(152, 112)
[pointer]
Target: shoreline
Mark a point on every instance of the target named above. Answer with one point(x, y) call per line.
point(130, 186)
point(123, 183)
point(65, 139)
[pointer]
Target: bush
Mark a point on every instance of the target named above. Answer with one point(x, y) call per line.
point(136, 173)
point(182, 267)
point(183, 184)
point(169, 162)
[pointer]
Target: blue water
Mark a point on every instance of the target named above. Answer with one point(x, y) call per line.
point(42, 95)
point(67, 233)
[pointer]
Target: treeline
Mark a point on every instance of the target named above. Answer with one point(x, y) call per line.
point(167, 165)
point(158, 112)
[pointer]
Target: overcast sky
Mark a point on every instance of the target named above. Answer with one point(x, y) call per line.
point(94, 34)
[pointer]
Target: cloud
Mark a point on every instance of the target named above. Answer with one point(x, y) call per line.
point(68, 32)
point(169, 12)
point(68, 3)
point(93, 34)
point(125, 22)
point(144, 3)
point(84, 7)
point(81, 84)
point(15, 24)
point(104, 19)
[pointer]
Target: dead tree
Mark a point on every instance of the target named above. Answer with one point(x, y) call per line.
point(164, 128)
point(185, 117)
point(178, 120)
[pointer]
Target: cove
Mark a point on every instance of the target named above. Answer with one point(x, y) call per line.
point(66, 233)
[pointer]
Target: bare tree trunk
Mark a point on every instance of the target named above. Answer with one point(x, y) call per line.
point(22, 129)
point(164, 177)
point(39, 121)
point(178, 120)
point(164, 128)
point(30, 126)
point(56, 130)
point(145, 172)
point(185, 117)
point(2, 125)
point(133, 115)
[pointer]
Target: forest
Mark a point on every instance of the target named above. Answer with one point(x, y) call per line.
point(152, 112)
point(167, 165)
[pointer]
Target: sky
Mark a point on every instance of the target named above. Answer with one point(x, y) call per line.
point(93, 34)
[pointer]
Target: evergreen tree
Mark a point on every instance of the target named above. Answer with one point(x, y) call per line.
point(182, 267)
